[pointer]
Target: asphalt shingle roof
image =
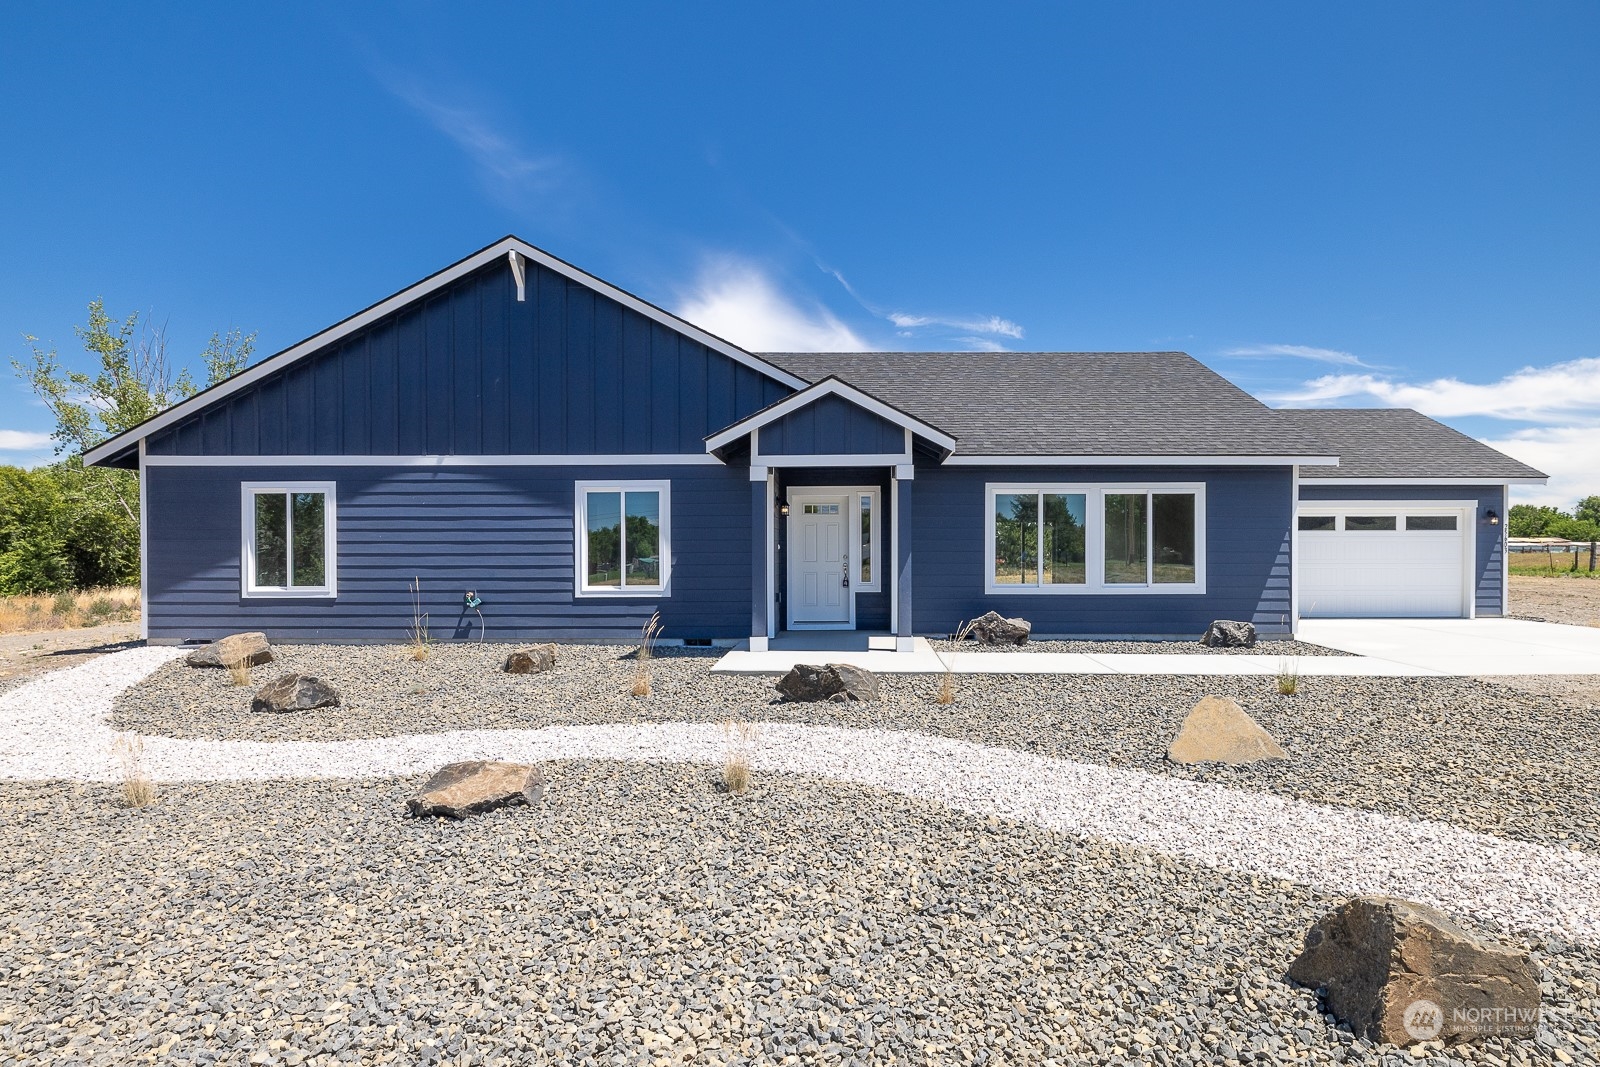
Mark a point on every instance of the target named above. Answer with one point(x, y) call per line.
point(1400, 443)
point(1068, 403)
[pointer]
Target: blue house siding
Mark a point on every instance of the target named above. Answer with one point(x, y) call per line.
point(1489, 559)
point(506, 532)
point(470, 371)
point(832, 425)
point(1249, 514)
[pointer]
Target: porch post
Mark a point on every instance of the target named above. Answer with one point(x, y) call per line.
point(904, 473)
point(760, 545)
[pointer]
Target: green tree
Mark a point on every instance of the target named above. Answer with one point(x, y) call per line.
point(72, 525)
point(1588, 510)
point(1529, 520)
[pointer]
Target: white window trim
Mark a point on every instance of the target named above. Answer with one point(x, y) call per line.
point(1094, 508)
point(248, 491)
point(580, 538)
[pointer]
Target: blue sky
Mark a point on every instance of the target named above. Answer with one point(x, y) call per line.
point(1339, 204)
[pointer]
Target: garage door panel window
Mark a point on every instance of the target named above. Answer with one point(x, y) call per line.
point(1317, 523)
point(1430, 522)
point(1369, 523)
point(1066, 539)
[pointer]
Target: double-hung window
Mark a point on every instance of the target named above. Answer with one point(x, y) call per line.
point(623, 538)
point(1102, 539)
point(290, 544)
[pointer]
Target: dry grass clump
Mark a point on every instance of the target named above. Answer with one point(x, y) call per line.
point(736, 763)
point(418, 634)
point(138, 791)
point(647, 647)
point(1288, 678)
point(239, 671)
point(947, 684)
point(65, 611)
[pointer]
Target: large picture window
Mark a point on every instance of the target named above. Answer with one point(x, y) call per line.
point(622, 538)
point(1108, 539)
point(289, 546)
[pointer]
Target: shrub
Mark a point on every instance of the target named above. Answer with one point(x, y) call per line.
point(1288, 678)
point(736, 763)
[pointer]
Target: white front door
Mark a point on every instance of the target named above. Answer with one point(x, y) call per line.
point(819, 560)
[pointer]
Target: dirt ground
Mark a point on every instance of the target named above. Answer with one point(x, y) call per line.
point(1572, 601)
point(24, 655)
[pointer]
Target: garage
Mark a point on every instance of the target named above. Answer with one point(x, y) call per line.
point(1393, 559)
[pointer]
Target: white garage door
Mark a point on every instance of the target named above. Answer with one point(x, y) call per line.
point(1394, 561)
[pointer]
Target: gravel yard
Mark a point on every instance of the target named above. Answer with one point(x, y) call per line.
point(1478, 756)
point(641, 916)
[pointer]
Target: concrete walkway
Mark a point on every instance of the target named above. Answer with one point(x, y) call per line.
point(1471, 647)
point(1380, 648)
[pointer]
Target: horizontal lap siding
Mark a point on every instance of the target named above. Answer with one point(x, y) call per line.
point(471, 371)
point(1489, 558)
point(1249, 511)
point(832, 426)
point(506, 532)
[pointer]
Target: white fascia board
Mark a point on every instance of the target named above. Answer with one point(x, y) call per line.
point(829, 386)
point(1140, 461)
point(1324, 507)
point(498, 250)
point(1304, 482)
point(696, 459)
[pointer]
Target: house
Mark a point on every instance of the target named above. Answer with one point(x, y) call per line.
point(580, 459)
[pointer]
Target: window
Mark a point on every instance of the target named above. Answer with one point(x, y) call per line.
point(1430, 522)
point(1118, 539)
point(1368, 523)
point(865, 540)
point(1316, 523)
point(622, 538)
point(289, 545)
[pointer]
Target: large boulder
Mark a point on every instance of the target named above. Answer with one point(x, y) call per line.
point(1217, 730)
point(251, 649)
point(476, 786)
point(1227, 634)
point(1403, 972)
point(993, 628)
point(831, 681)
point(295, 692)
point(535, 660)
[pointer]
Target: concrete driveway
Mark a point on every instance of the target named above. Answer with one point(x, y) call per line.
point(1470, 647)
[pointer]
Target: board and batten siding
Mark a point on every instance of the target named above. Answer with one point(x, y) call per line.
point(832, 425)
point(471, 371)
point(1489, 541)
point(506, 532)
point(1249, 514)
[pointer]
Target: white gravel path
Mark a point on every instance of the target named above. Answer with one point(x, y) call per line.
point(56, 728)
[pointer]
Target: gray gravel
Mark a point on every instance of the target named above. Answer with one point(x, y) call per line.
point(642, 916)
point(1478, 756)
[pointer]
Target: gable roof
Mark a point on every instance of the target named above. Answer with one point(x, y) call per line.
point(829, 386)
point(505, 249)
point(1402, 444)
point(1105, 405)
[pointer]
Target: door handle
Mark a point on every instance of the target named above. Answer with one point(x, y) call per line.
point(844, 575)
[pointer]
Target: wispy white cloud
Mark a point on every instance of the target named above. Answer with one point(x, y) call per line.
point(1559, 393)
point(1565, 453)
point(1319, 355)
point(735, 299)
point(510, 173)
point(908, 324)
point(988, 324)
point(24, 441)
